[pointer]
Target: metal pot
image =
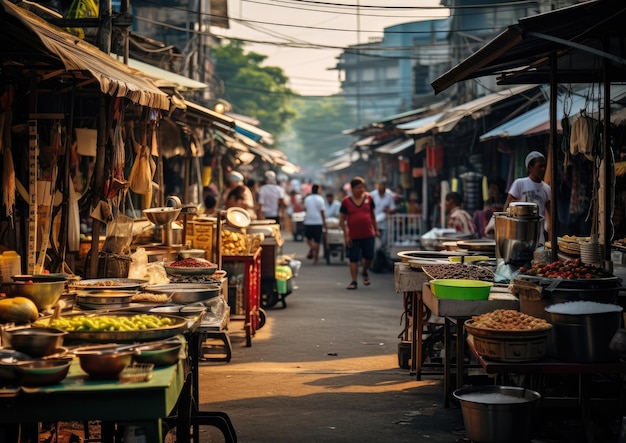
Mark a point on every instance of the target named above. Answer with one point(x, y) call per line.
point(490, 419)
point(584, 337)
point(516, 237)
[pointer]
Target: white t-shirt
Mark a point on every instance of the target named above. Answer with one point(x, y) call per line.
point(314, 205)
point(526, 190)
point(269, 197)
point(332, 210)
point(382, 203)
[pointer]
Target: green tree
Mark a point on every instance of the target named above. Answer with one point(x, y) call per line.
point(318, 130)
point(252, 89)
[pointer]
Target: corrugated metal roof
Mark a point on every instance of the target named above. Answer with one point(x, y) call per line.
point(395, 146)
point(421, 125)
point(537, 120)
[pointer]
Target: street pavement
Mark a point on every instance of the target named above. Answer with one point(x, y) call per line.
point(325, 368)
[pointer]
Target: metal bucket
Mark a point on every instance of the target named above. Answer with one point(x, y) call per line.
point(516, 237)
point(496, 414)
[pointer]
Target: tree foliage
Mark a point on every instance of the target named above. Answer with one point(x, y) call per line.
point(252, 89)
point(318, 130)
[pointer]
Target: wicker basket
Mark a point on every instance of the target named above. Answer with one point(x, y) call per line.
point(509, 346)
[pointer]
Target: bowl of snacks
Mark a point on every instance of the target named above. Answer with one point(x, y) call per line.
point(104, 362)
point(509, 336)
point(42, 372)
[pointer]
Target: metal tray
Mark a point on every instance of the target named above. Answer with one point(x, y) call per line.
point(178, 327)
point(477, 245)
point(101, 284)
point(178, 270)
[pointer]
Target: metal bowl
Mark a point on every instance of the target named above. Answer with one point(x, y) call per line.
point(161, 216)
point(159, 354)
point(42, 372)
point(104, 363)
point(9, 359)
point(183, 293)
point(34, 341)
point(43, 293)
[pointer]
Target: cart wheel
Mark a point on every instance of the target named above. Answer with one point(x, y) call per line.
point(262, 318)
point(269, 299)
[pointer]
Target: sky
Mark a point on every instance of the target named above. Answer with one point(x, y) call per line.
point(319, 30)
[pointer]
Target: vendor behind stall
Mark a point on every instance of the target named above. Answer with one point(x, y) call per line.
point(238, 194)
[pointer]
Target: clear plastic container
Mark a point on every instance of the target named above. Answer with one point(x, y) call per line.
point(10, 265)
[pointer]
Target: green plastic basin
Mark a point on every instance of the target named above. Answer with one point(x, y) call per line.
point(459, 289)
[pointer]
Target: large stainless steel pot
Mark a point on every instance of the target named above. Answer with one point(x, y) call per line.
point(517, 237)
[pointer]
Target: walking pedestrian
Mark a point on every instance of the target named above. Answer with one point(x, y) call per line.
point(385, 205)
point(360, 230)
point(271, 197)
point(314, 222)
point(333, 206)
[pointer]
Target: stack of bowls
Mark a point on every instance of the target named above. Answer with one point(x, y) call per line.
point(592, 253)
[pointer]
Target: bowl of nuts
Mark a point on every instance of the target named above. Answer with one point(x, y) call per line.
point(509, 336)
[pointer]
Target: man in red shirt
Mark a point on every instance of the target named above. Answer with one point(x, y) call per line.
point(360, 229)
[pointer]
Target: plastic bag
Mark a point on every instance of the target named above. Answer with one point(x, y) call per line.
point(140, 178)
point(119, 235)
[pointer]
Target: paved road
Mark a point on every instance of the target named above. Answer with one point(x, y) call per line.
point(325, 369)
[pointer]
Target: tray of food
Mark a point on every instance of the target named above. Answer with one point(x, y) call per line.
point(118, 327)
point(191, 266)
point(98, 284)
point(458, 271)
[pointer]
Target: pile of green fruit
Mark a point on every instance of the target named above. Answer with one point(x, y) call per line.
point(108, 323)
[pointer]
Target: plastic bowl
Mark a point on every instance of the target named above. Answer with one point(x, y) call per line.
point(459, 289)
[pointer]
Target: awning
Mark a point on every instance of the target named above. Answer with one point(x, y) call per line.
point(395, 146)
point(253, 132)
point(421, 125)
point(163, 78)
point(230, 142)
point(475, 108)
point(579, 36)
point(339, 163)
point(215, 119)
point(537, 120)
point(115, 78)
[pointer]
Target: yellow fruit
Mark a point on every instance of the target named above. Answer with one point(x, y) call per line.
point(18, 310)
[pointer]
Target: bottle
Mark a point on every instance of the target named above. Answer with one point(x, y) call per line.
point(134, 434)
point(10, 265)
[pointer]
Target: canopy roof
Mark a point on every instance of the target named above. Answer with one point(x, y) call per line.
point(578, 36)
point(25, 34)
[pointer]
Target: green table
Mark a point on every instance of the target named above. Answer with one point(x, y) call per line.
point(79, 398)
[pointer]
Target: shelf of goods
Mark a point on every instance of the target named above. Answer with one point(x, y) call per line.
point(244, 290)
